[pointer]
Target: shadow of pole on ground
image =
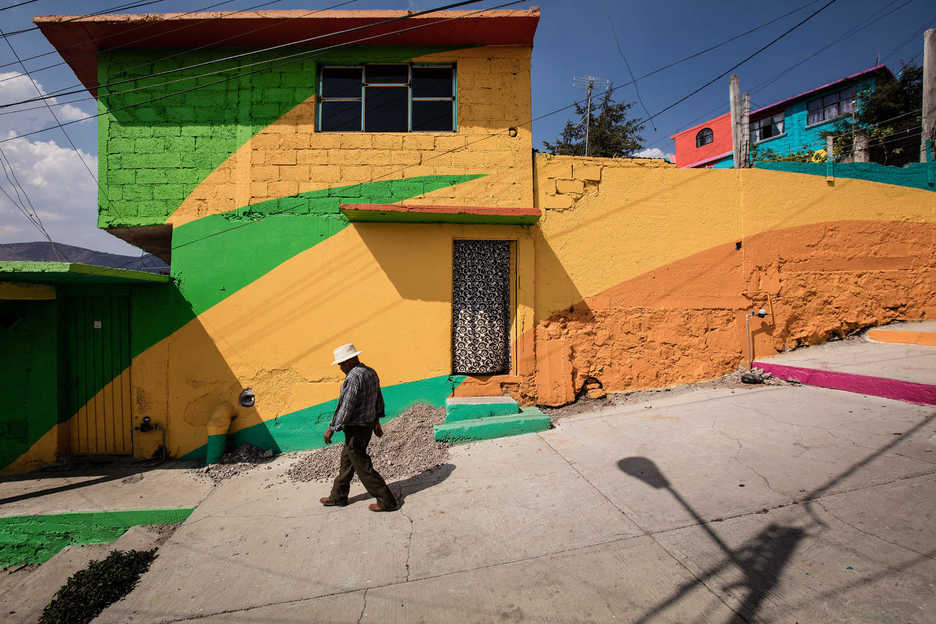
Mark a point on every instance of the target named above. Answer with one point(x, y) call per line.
point(762, 558)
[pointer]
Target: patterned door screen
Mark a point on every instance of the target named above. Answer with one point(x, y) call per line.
point(481, 307)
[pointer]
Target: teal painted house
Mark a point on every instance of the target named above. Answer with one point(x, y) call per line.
point(791, 125)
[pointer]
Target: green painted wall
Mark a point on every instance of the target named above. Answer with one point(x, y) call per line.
point(152, 155)
point(303, 429)
point(913, 175)
point(29, 370)
point(36, 539)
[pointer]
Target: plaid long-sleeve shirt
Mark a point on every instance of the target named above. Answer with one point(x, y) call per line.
point(360, 401)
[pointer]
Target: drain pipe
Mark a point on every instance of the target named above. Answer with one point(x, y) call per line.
point(761, 313)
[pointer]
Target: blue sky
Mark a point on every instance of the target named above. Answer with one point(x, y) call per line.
point(575, 37)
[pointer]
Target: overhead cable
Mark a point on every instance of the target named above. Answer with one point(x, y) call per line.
point(303, 54)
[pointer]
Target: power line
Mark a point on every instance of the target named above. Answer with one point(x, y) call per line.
point(13, 6)
point(871, 20)
point(139, 40)
point(123, 7)
point(33, 216)
point(302, 54)
point(630, 72)
point(745, 60)
point(243, 54)
point(916, 34)
point(455, 149)
point(647, 75)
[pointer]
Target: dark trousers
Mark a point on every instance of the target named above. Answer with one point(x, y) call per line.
point(354, 458)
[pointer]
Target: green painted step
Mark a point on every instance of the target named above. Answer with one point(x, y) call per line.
point(529, 420)
point(470, 408)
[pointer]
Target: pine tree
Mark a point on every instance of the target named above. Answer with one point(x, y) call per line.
point(610, 135)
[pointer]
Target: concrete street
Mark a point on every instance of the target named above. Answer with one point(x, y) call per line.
point(766, 503)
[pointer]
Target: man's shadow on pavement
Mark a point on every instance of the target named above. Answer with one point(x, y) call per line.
point(417, 483)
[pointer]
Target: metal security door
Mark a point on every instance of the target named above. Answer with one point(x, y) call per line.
point(96, 379)
point(481, 307)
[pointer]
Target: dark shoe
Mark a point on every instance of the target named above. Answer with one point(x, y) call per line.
point(379, 507)
point(331, 503)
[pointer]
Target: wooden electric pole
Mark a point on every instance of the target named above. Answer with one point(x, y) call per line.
point(740, 125)
point(929, 92)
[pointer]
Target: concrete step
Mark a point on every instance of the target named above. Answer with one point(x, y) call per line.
point(529, 420)
point(25, 601)
point(470, 408)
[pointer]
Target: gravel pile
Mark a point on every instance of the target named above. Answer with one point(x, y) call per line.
point(244, 458)
point(407, 448)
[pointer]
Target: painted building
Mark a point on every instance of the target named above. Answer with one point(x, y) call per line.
point(387, 195)
point(795, 124)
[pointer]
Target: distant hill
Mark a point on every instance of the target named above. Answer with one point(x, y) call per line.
point(42, 252)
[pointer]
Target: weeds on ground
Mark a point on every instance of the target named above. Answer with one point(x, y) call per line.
point(89, 591)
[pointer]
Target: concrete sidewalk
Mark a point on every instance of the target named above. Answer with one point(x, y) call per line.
point(780, 503)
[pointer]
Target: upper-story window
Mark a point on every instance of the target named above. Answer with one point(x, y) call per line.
point(387, 98)
point(767, 128)
point(831, 106)
point(704, 137)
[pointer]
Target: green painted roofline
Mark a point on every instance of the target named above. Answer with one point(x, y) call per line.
point(69, 272)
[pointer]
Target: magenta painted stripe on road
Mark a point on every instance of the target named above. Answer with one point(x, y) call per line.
point(862, 384)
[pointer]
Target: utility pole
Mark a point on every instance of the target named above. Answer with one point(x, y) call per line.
point(740, 124)
point(929, 92)
point(746, 130)
point(589, 82)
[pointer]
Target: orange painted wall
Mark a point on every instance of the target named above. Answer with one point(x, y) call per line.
point(644, 272)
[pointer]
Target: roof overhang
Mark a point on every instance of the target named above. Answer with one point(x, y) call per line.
point(78, 38)
point(408, 213)
point(74, 274)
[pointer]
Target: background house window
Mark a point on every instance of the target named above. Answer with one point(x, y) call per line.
point(831, 106)
point(387, 98)
point(767, 128)
point(704, 137)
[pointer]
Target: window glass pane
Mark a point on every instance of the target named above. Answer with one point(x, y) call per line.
point(847, 106)
point(341, 82)
point(814, 105)
point(830, 112)
point(433, 116)
point(387, 74)
point(830, 99)
point(341, 116)
point(385, 109)
point(814, 117)
point(780, 125)
point(432, 82)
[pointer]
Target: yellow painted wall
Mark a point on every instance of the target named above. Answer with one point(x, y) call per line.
point(290, 157)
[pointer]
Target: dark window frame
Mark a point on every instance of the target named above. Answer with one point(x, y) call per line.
point(844, 102)
point(453, 98)
point(775, 124)
point(701, 136)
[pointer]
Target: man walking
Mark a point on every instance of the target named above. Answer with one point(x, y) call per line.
point(360, 408)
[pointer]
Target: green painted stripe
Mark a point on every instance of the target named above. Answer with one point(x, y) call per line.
point(303, 429)
point(208, 255)
point(160, 137)
point(530, 420)
point(912, 175)
point(456, 410)
point(73, 273)
point(36, 539)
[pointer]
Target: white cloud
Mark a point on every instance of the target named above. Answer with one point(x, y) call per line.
point(62, 192)
point(655, 152)
point(16, 87)
point(56, 181)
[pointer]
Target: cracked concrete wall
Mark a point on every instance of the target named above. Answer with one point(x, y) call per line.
point(644, 273)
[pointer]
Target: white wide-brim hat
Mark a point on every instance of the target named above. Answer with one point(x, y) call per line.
point(344, 353)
